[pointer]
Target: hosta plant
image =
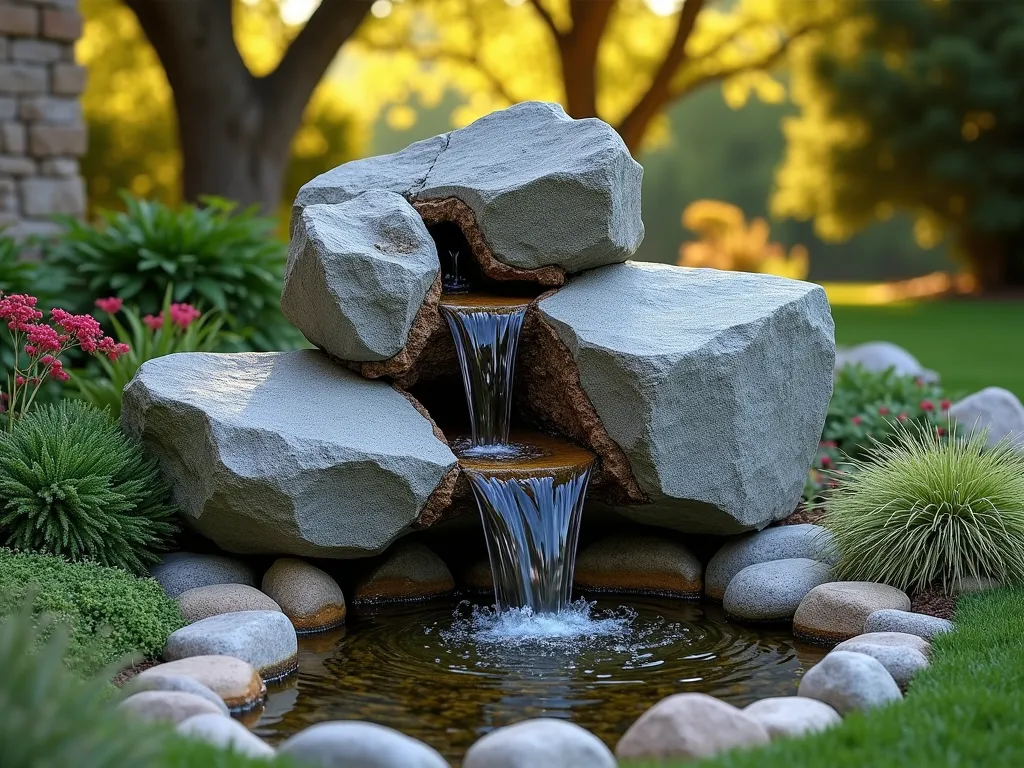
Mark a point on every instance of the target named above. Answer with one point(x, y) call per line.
point(72, 484)
point(179, 327)
point(925, 509)
point(226, 259)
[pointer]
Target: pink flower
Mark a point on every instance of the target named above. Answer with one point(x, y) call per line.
point(19, 381)
point(182, 315)
point(110, 305)
point(155, 323)
point(30, 350)
point(112, 349)
point(46, 359)
point(857, 420)
point(18, 309)
point(927, 405)
point(84, 328)
point(883, 411)
point(940, 431)
point(57, 372)
point(945, 405)
point(42, 337)
point(826, 462)
point(902, 417)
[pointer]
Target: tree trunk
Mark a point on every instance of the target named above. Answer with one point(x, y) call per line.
point(236, 129)
point(996, 262)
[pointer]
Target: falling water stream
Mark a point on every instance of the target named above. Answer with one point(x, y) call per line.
point(530, 492)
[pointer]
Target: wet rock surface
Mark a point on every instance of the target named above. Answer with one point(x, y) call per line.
point(409, 571)
point(644, 564)
point(308, 596)
point(264, 639)
point(771, 592)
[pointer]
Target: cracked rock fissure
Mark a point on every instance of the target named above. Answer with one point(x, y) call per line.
point(547, 393)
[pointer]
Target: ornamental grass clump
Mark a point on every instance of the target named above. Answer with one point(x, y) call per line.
point(927, 509)
point(72, 484)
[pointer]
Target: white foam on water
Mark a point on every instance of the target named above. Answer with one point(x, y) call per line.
point(521, 626)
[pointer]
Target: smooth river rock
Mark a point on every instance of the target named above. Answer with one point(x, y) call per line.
point(179, 572)
point(235, 681)
point(849, 682)
point(286, 452)
point(645, 564)
point(920, 624)
point(203, 602)
point(693, 373)
point(781, 543)
point(771, 592)
point(789, 716)
point(995, 409)
point(357, 274)
point(307, 595)
point(171, 682)
point(410, 571)
point(544, 189)
point(168, 706)
point(544, 742)
point(355, 744)
point(225, 733)
point(689, 726)
point(264, 639)
point(837, 611)
point(903, 655)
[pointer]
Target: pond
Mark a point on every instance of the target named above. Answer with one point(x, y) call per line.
point(446, 673)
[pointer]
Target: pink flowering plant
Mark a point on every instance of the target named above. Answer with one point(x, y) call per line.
point(866, 407)
point(179, 327)
point(39, 346)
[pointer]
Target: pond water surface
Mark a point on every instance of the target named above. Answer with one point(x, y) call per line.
point(447, 673)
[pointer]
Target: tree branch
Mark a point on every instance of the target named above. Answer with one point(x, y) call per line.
point(762, 63)
point(547, 18)
point(291, 84)
point(634, 125)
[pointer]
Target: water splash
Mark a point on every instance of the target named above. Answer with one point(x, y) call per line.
point(453, 282)
point(577, 621)
point(486, 342)
point(531, 525)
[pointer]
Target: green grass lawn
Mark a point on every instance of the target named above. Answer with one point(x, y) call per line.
point(963, 711)
point(971, 343)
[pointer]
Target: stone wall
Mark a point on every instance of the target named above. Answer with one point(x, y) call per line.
point(42, 133)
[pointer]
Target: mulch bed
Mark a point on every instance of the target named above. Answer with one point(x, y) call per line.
point(933, 602)
point(803, 514)
point(131, 671)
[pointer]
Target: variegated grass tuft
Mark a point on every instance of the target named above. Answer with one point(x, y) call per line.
point(922, 510)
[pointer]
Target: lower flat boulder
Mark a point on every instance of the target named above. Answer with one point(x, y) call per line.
point(644, 564)
point(287, 452)
point(264, 639)
point(714, 384)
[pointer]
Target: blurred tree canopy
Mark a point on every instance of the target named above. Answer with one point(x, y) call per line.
point(624, 61)
point(915, 106)
point(129, 107)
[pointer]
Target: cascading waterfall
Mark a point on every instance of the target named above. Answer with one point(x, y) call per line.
point(530, 492)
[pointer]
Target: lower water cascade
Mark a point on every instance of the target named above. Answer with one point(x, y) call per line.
point(529, 490)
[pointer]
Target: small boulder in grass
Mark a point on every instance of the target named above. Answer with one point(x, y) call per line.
point(308, 596)
point(227, 734)
point(644, 564)
point(541, 742)
point(849, 682)
point(836, 611)
point(345, 743)
point(902, 655)
point(689, 726)
point(920, 624)
point(789, 716)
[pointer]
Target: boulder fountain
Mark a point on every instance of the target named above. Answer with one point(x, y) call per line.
point(689, 399)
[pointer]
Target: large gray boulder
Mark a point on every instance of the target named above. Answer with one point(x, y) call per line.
point(357, 274)
point(544, 189)
point(286, 452)
point(994, 409)
point(714, 384)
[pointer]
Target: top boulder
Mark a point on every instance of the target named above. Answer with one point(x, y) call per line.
point(544, 189)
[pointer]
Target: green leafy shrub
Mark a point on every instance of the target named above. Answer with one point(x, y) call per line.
point(213, 254)
point(922, 510)
point(53, 717)
point(72, 484)
point(148, 337)
point(110, 614)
